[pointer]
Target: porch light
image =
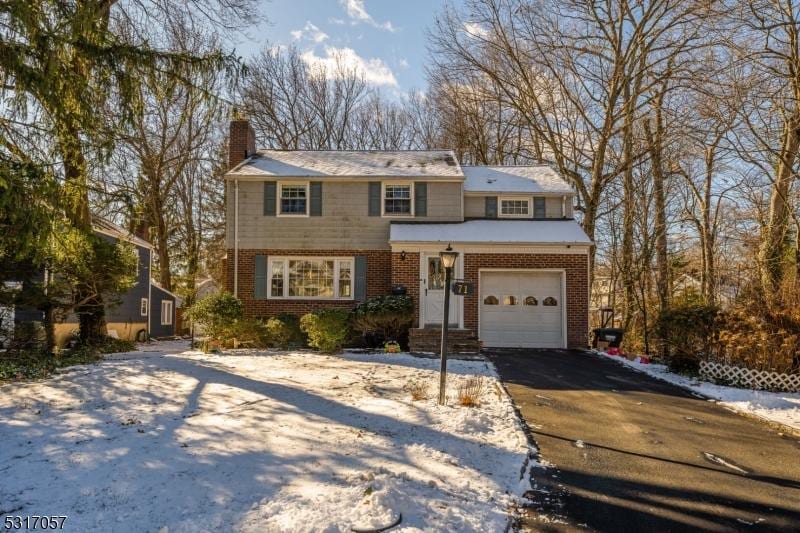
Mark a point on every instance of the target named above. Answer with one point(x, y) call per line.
point(448, 257)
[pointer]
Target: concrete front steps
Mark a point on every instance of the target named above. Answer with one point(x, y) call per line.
point(429, 339)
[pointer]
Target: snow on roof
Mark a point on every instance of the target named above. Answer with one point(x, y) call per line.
point(307, 163)
point(106, 227)
point(492, 231)
point(514, 179)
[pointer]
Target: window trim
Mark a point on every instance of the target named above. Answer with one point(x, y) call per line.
point(527, 199)
point(144, 307)
point(279, 194)
point(168, 315)
point(410, 185)
point(336, 260)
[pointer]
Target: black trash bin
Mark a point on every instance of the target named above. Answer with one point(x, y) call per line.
point(613, 336)
point(399, 290)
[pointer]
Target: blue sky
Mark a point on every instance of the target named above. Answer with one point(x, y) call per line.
point(383, 38)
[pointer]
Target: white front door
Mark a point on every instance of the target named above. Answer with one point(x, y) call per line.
point(432, 290)
point(521, 309)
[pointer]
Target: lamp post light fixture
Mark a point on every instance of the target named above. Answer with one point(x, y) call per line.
point(448, 258)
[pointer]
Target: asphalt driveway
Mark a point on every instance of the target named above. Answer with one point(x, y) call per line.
point(632, 453)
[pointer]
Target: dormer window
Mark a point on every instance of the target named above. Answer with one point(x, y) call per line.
point(515, 207)
point(398, 199)
point(293, 199)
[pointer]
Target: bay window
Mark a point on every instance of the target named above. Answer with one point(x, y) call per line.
point(311, 278)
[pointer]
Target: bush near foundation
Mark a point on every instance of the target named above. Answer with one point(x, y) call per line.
point(384, 318)
point(327, 329)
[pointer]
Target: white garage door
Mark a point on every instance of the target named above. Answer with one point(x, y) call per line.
point(521, 310)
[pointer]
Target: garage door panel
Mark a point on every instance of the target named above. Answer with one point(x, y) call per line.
point(521, 325)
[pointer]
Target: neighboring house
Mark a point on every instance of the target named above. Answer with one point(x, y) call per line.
point(313, 229)
point(145, 310)
point(204, 288)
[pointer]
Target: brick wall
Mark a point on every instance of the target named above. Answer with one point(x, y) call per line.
point(378, 280)
point(241, 142)
point(577, 289)
point(406, 272)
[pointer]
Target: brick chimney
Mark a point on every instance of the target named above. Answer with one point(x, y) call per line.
point(242, 141)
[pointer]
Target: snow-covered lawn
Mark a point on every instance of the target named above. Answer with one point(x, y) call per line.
point(161, 440)
point(780, 407)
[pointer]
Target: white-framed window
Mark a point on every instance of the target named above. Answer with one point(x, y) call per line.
point(166, 312)
point(143, 307)
point(318, 278)
point(515, 207)
point(398, 200)
point(293, 199)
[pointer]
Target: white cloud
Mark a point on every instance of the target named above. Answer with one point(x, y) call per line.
point(358, 13)
point(403, 62)
point(337, 61)
point(309, 32)
point(476, 30)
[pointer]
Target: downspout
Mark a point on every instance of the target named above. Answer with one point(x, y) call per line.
point(149, 290)
point(236, 238)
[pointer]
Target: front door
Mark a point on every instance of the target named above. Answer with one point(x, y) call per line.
point(433, 293)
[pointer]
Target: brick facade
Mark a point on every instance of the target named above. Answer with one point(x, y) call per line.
point(406, 272)
point(386, 269)
point(577, 289)
point(378, 280)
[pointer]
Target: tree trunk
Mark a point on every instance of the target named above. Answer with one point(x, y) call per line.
point(774, 236)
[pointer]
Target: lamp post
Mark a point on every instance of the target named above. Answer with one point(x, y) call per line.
point(448, 257)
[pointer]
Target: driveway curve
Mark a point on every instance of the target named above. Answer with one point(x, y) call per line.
point(632, 453)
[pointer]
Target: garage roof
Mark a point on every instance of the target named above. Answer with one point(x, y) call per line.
point(492, 232)
point(514, 179)
point(350, 163)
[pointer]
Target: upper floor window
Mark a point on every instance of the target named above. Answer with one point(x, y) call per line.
point(398, 199)
point(515, 207)
point(293, 199)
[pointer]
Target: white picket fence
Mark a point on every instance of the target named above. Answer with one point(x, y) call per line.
point(751, 379)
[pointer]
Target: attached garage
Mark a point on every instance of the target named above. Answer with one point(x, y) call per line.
point(522, 309)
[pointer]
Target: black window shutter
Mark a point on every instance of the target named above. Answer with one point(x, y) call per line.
point(421, 199)
point(491, 207)
point(260, 274)
point(539, 210)
point(360, 286)
point(316, 199)
point(375, 198)
point(270, 190)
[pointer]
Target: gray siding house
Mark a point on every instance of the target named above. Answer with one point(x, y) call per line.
point(312, 229)
point(145, 310)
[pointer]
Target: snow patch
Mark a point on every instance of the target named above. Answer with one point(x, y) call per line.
point(261, 441)
point(780, 407)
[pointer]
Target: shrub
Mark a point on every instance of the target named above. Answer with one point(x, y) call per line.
point(219, 315)
point(469, 392)
point(420, 390)
point(385, 317)
point(327, 329)
point(759, 339)
point(291, 326)
point(688, 333)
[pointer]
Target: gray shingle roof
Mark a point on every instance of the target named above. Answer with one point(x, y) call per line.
point(348, 163)
point(514, 179)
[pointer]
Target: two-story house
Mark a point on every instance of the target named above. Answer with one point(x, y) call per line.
point(311, 229)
